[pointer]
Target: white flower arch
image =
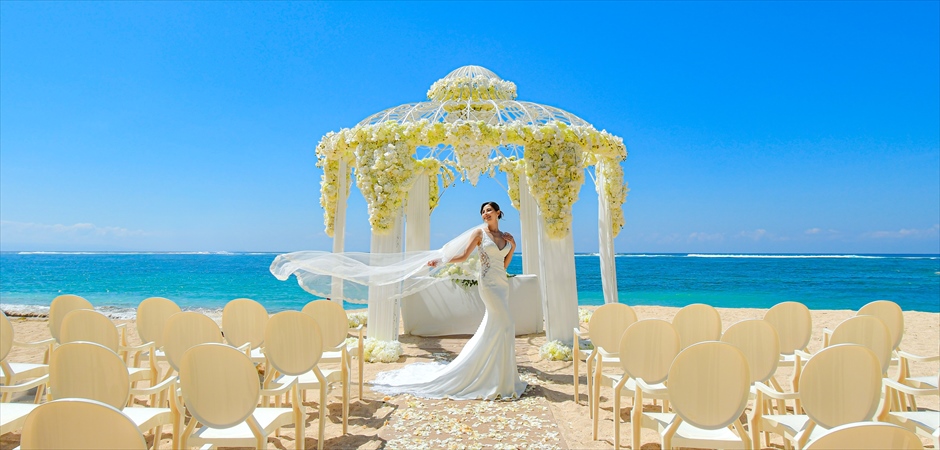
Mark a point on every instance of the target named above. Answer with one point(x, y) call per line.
point(472, 125)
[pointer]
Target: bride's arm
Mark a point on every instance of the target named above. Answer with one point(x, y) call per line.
point(477, 237)
point(512, 241)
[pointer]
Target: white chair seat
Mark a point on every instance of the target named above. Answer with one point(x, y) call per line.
point(913, 420)
point(240, 435)
point(689, 435)
point(925, 381)
point(309, 380)
point(792, 423)
point(138, 373)
point(149, 418)
point(12, 415)
point(787, 361)
point(256, 356)
point(27, 370)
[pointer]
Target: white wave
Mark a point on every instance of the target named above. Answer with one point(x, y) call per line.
point(709, 255)
point(644, 255)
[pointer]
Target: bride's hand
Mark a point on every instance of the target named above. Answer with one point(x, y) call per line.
point(508, 237)
point(434, 262)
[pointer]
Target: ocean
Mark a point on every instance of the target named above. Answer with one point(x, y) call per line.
point(117, 282)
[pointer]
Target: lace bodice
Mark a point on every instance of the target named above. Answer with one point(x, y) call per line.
point(491, 256)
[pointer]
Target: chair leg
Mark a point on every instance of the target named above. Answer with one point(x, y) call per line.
point(597, 392)
point(322, 418)
point(617, 419)
point(576, 357)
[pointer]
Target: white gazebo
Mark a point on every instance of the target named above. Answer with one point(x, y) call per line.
point(472, 125)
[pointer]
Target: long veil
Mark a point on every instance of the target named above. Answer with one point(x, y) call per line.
point(319, 272)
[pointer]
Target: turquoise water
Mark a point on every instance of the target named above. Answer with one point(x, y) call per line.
point(119, 281)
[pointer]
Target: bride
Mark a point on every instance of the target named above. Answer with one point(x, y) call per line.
point(486, 367)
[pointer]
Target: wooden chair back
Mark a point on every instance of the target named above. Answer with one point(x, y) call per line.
point(697, 322)
point(186, 330)
point(608, 323)
point(708, 384)
point(220, 385)
point(6, 336)
point(866, 436)
point(90, 326)
point(76, 423)
point(334, 325)
point(869, 331)
point(61, 306)
point(88, 370)
point(647, 350)
point(243, 321)
point(152, 314)
point(889, 313)
point(841, 384)
point(757, 340)
point(293, 342)
point(794, 325)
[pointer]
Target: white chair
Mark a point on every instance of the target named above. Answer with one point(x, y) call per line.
point(757, 340)
point(605, 328)
point(866, 436)
point(92, 371)
point(794, 325)
point(708, 390)
point(334, 324)
point(61, 306)
point(12, 415)
point(152, 314)
point(647, 349)
point(294, 347)
point(921, 421)
point(839, 385)
point(16, 373)
point(220, 389)
point(243, 321)
point(696, 323)
point(80, 424)
point(92, 326)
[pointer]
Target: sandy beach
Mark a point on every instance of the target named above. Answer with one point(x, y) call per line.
point(546, 417)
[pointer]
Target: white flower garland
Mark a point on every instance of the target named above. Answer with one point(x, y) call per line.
point(472, 88)
point(357, 318)
point(555, 153)
point(555, 177)
point(384, 174)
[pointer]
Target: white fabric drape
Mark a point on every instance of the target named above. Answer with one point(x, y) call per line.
point(418, 216)
point(605, 234)
point(339, 227)
point(384, 314)
point(559, 285)
point(529, 227)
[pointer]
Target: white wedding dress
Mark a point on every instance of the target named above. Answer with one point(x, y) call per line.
point(486, 367)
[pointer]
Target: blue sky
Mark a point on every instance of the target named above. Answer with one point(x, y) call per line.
point(751, 127)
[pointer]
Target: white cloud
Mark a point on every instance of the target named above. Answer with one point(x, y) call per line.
point(754, 235)
point(706, 237)
point(905, 233)
point(29, 235)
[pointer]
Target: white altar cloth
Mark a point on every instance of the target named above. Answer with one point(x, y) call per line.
point(449, 308)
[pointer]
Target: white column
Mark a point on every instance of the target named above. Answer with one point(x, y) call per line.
point(339, 226)
point(559, 285)
point(529, 227)
point(384, 314)
point(605, 244)
point(418, 216)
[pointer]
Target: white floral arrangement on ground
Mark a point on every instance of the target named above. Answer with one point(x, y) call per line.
point(357, 318)
point(383, 156)
point(555, 351)
point(375, 350)
point(584, 315)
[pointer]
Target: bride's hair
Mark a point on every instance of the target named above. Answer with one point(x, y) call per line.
point(499, 214)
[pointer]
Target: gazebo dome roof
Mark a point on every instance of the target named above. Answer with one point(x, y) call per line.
point(474, 93)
